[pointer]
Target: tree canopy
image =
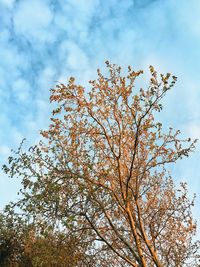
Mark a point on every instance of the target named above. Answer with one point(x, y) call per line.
point(100, 175)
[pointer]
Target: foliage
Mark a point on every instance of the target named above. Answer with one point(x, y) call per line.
point(101, 171)
point(23, 244)
point(13, 232)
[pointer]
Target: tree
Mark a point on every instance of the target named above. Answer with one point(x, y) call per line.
point(101, 171)
point(14, 231)
point(23, 243)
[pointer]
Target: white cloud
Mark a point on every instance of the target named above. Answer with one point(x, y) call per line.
point(22, 90)
point(46, 80)
point(193, 130)
point(76, 17)
point(32, 19)
point(17, 136)
point(8, 3)
point(13, 62)
point(86, 7)
point(76, 58)
point(188, 17)
point(5, 151)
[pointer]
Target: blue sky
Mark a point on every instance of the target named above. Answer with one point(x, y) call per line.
point(45, 41)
